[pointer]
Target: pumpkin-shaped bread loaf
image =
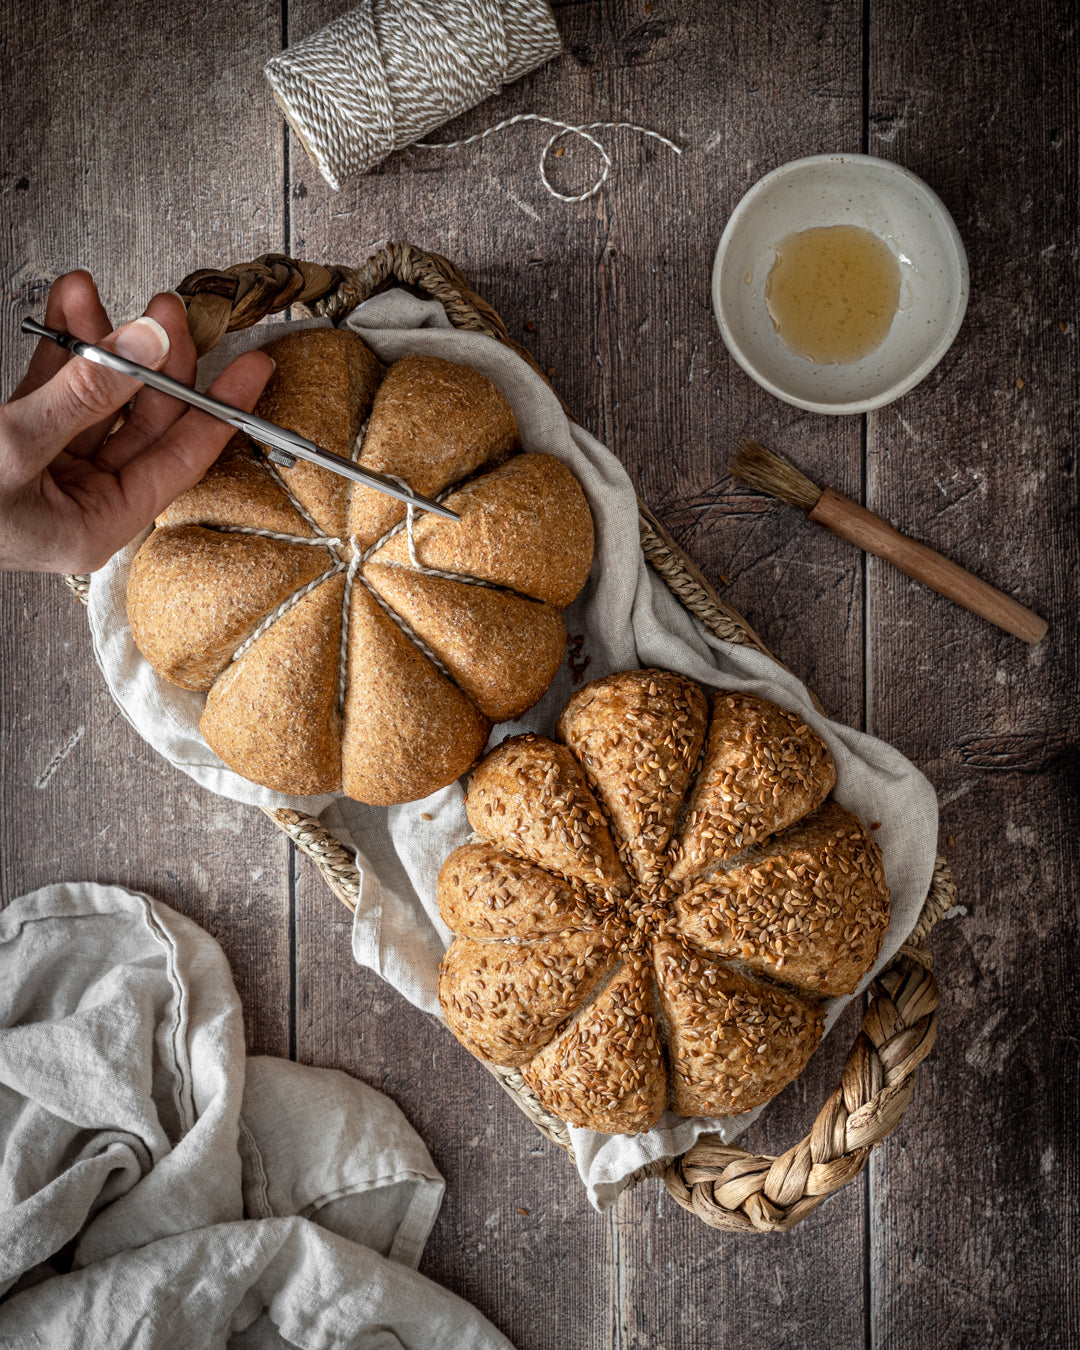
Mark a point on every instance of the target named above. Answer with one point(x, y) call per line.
point(651, 910)
point(336, 651)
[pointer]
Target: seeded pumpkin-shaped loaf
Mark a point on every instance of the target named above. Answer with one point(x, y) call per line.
point(333, 655)
point(653, 906)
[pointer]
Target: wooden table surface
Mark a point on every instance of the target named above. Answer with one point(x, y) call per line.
point(142, 142)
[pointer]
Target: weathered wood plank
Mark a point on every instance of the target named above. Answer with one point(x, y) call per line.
point(130, 175)
point(975, 1199)
point(971, 1207)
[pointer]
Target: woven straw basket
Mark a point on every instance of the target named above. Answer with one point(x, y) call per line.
point(726, 1186)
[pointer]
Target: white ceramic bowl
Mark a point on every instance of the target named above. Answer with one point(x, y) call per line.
point(842, 190)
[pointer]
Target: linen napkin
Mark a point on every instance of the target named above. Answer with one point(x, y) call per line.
point(158, 1190)
point(629, 618)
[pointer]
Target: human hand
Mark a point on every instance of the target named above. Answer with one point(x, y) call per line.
point(71, 493)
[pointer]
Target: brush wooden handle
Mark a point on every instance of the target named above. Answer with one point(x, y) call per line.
point(873, 535)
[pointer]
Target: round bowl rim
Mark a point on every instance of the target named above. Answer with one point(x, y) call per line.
point(958, 299)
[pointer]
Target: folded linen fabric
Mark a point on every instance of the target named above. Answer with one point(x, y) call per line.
point(629, 618)
point(159, 1190)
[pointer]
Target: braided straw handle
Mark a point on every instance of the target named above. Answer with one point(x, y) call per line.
point(730, 1188)
point(223, 301)
point(726, 1186)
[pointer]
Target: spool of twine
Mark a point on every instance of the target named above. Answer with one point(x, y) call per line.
point(388, 72)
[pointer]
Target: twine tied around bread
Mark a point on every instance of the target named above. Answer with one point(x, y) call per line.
point(383, 75)
point(351, 568)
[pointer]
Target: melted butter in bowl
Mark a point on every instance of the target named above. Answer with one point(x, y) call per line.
point(839, 283)
point(833, 292)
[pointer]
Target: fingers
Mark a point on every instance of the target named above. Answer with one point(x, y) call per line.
point(73, 307)
point(80, 396)
point(177, 461)
point(153, 412)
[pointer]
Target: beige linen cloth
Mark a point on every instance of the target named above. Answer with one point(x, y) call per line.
point(158, 1190)
point(630, 619)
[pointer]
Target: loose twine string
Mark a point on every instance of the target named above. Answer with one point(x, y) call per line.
point(388, 72)
point(566, 129)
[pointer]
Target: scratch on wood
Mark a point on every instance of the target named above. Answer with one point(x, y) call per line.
point(995, 1043)
point(58, 759)
point(961, 790)
point(521, 206)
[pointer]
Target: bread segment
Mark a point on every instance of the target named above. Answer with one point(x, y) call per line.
point(501, 649)
point(273, 715)
point(240, 493)
point(638, 734)
point(764, 768)
point(504, 1001)
point(525, 526)
point(408, 730)
point(530, 797)
point(732, 1043)
point(486, 894)
point(433, 423)
point(323, 389)
point(605, 1071)
point(810, 908)
point(194, 595)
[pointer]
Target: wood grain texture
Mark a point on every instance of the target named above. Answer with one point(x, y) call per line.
point(982, 103)
point(962, 1231)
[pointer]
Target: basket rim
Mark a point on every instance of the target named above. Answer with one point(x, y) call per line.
point(724, 1185)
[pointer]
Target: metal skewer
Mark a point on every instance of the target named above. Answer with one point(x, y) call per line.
point(284, 447)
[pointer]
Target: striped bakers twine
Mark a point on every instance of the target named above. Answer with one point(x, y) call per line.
point(388, 72)
point(352, 569)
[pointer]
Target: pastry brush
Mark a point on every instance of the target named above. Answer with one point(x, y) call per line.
point(770, 473)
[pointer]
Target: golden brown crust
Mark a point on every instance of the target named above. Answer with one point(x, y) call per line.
point(433, 423)
point(525, 526)
point(194, 595)
point(530, 797)
point(408, 730)
point(506, 1001)
point(638, 735)
point(502, 649)
point(732, 1042)
point(605, 1071)
point(323, 389)
point(273, 715)
point(735, 963)
point(192, 603)
point(764, 768)
point(809, 908)
point(239, 492)
point(486, 894)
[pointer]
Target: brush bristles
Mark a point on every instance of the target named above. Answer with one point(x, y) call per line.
point(767, 472)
